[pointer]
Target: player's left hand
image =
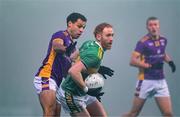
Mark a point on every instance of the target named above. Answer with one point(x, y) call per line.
point(96, 93)
point(70, 48)
point(172, 65)
point(103, 70)
point(99, 96)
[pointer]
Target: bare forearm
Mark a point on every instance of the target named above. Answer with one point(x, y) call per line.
point(75, 72)
point(140, 64)
point(77, 77)
point(167, 58)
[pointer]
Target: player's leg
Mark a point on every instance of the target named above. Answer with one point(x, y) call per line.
point(57, 110)
point(73, 105)
point(48, 102)
point(46, 89)
point(138, 104)
point(96, 109)
point(163, 99)
point(164, 104)
point(142, 88)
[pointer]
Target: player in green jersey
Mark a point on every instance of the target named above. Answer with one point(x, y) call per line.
point(73, 94)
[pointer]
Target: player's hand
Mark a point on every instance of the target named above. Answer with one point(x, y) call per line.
point(106, 71)
point(96, 93)
point(70, 48)
point(172, 65)
point(157, 66)
point(99, 96)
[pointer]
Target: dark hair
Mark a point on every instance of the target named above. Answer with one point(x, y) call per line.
point(151, 18)
point(99, 28)
point(73, 17)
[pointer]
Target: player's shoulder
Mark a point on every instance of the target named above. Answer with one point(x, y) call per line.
point(144, 38)
point(89, 42)
point(60, 34)
point(162, 37)
point(90, 46)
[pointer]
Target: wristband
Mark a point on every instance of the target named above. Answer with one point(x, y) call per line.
point(85, 89)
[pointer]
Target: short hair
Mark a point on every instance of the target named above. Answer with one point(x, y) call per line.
point(99, 28)
point(73, 17)
point(151, 18)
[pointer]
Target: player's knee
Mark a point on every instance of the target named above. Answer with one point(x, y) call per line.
point(49, 110)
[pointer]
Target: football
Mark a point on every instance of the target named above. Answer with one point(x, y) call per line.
point(94, 81)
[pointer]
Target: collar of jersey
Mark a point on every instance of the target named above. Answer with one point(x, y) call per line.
point(99, 45)
point(69, 35)
point(152, 38)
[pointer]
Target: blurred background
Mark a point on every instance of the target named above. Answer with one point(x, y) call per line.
point(26, 27)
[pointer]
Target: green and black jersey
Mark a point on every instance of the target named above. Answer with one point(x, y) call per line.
point(91, 54)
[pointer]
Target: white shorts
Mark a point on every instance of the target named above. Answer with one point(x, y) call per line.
point(42, 84)
point(149, 88)
point(73, 104)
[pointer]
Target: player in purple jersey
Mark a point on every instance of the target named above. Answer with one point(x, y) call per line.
point(149, 56)
point(57, 62)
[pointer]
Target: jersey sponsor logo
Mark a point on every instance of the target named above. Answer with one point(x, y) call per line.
point(150, 44)
point(156, 56)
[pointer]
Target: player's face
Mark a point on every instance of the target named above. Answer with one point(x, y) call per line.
point(76, 28)
point(107, 38)
point(153, 27)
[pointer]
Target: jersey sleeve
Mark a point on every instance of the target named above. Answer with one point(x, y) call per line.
point(58, 36)
point(139, 47)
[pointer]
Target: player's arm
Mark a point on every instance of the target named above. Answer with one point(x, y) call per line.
point(58, 46)
point(168, 60)
point(136, 62)
point(75, 72)
point(75, 56)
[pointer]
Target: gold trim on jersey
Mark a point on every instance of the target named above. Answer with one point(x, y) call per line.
point(46, 70)
point(58, 41)
point(145, 38)
point(141, 70)
point(45, 85)
point(100, 53)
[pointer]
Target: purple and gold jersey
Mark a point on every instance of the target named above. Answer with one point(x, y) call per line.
point(152, 51)
point(56, 65)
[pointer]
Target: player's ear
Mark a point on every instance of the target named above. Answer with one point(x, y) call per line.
point(69, 24)
point(98, 37)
